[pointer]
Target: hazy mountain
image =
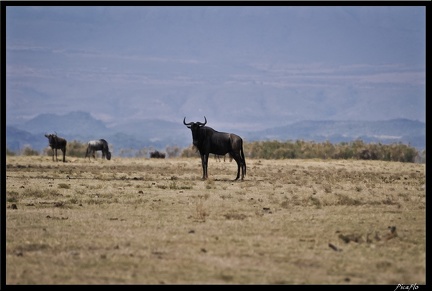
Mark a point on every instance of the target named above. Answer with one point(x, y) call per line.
point(77, 122)
point(159, 134)
point(244, 68)
point(17, 139)
point(388, 131)
point(82, 127)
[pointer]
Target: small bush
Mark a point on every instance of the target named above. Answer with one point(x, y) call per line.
point(75, 149)
point(28, 151)
point(190, 152)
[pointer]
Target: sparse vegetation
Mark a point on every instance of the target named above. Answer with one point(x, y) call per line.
point(153, 221)
point(357, 150)
point(28, 151)
point(190, 152)
point(9, 152)
point(299, 149)
point(64, 186)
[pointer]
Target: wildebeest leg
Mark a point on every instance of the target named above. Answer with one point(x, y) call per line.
point(64, 155)
point(55, 155)
point(239, 162)
point(204, 162)
point(243, 163)
point(238, 168)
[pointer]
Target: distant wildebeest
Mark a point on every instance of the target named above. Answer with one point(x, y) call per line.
point(218, 158)
point(209, 141)
point(157, 155)
point(55, 143)
point(98, 145)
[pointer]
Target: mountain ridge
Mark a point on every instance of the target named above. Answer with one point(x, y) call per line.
point(158, 133)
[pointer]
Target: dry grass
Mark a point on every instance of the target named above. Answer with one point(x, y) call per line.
point(152, 221)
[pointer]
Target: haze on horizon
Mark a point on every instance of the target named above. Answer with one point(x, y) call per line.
point(248, 67)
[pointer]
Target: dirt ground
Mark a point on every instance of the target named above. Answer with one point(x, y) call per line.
point(154, 221)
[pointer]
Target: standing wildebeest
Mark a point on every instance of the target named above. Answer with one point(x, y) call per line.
point(209, 141)
point(55, 143)
point(98, 145)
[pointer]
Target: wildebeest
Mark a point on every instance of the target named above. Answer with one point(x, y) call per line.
point(218, 158)
point(157, 155)
point(55, 143)
point(98, 145)
point(209, 141)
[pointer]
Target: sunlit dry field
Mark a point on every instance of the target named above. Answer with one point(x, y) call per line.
point(154, 221)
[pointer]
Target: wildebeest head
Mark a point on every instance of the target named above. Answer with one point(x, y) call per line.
point(52, 138)
point(194, 127)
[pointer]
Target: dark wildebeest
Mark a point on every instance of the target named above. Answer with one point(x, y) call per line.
point(157, 155)
point(55, 143)
point(98, 145)
point(209, 141)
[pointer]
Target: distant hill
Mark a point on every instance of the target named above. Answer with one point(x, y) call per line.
point(159, 134)
point(73, 123)
point(82, 127)
point(17, 139)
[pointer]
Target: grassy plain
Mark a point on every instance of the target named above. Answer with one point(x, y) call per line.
point(154, 221)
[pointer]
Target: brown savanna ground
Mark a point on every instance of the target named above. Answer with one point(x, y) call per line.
point(154, 221)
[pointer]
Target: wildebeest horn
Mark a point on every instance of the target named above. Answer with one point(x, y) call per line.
point(187, 124)
point(205, 122)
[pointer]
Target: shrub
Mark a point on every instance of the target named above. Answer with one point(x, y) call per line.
point(190, 152)
point(173, 151)
point(76, 149)
point(311, 150)
point(28, 151)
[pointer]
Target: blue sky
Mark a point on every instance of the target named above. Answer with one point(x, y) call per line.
point(249, 66)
